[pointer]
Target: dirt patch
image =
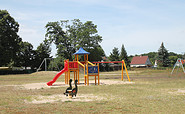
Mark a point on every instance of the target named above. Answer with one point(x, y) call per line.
point(181, 91)
point(110, 82)
point(43, 85)
point(39, 99)
point(62, 84)
point(178, 92)
point(40, 73)
point(62, 98)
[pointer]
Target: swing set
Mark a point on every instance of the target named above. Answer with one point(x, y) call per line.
point(179, 63)
point(122, 68)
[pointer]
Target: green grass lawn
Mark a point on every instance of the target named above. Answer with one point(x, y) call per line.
point(153, 91)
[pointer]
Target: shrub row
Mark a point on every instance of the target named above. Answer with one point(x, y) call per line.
point(9, 71)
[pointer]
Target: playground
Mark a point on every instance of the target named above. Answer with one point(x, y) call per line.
point(92, 57)
point(149, 91)
point(89, 69)
point(123, 91)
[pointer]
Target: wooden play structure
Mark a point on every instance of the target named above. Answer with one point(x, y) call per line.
point(90, 69)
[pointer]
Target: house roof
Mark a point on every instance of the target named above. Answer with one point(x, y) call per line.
point(81, 51)
point(139, 60)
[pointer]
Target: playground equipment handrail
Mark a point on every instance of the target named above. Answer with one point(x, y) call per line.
point(81, 64)
point(91, 63)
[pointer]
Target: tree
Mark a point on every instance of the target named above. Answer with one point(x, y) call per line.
point(183, 56)
point(26, 54)
point(124, 56)
point(42, 51)
point(114, 56)
point(163, 56)
point(96, 54)
point(152, 55)
point(172, 60)
point(68, 38)
point(9, 39)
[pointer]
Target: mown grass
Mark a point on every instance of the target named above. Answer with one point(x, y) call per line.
point(153, 92)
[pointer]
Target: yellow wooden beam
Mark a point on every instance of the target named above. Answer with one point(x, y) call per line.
point(122, 71)
point(91, 63)
point(126, 70)
point(81, 64)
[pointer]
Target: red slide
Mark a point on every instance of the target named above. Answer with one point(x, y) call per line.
point(58, 75)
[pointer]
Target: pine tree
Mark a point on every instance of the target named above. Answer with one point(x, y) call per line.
point(163, 56)
point(114, 56)
point(124, 56)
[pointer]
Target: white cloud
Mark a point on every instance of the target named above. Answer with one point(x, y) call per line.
point(31, 34)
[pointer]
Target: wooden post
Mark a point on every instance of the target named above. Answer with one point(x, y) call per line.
point(95, 79)
point(84, 75)
point(78, 70)
point(66, 74)
point(126, 70)
point(78, 74)
point(122, 71)
point(68, 71)
point(98, 75)
point(74, 75)
point(65, 77)
point(87, 74)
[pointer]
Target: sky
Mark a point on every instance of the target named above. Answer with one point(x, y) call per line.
point(140, 25)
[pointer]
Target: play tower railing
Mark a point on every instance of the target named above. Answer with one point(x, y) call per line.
point(72, 67)
point(91, 70)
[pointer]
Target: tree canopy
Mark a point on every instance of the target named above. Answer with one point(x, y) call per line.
point(114, 56)
point(9, 39)
point(26, 54)
point(42, 51)
point(124, 56)
point(68, 38)
point(96, 53)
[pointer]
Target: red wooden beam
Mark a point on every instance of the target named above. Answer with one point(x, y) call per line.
point(109, 62)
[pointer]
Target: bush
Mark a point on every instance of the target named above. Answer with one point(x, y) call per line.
point(10, 71)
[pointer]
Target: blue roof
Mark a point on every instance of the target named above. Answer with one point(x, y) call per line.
point(81, 51)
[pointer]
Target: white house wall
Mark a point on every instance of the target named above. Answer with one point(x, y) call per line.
point(141, 65)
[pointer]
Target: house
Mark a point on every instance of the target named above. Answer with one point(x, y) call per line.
point(140, 61)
